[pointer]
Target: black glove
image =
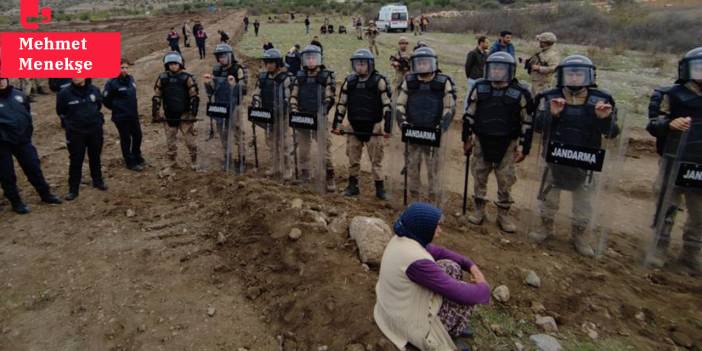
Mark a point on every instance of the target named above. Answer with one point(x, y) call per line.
point(155, 109)
point(194, 104)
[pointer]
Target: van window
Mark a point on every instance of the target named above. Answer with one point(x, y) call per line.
point(399, 16)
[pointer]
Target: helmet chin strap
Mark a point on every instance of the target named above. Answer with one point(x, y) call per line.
point(574, 89)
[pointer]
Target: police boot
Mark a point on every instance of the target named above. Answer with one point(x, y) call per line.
point(331, 183)
point(19, 207)
point(478, 215)
point(544, 232)
point(99, 184)
point(690, 258)
point(352, 188)
point(50, 198)
point(72, 194)
point(380, 190)
point(582, 246)
point(658, 258)
point(504, 221)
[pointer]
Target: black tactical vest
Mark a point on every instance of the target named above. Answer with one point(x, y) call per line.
point(311, 90)
point(222, 90)
point(425, 100)
point(364, 101)
point(578, 124)
point(268, 88)
point(498, 111)
point(685, 103)
point(175, 95)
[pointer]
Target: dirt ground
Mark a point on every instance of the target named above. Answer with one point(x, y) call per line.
point(187, 260)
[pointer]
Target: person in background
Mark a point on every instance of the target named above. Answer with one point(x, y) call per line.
point(504, 43)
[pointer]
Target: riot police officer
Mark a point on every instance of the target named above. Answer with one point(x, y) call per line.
point(679, 114)
point(499, 115)
point(578, 113)
point(16, 140)
point(427, 99)
point(313, 91)
point(78, 106)
point(272, 92)
point(227, 85)
point(365, 95)
point(176, 90)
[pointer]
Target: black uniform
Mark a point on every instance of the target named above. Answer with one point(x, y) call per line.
point(16, 140)
point(79, 109)
point(120, 96)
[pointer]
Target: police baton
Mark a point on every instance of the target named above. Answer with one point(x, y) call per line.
point(348, 132)
point(465, 185)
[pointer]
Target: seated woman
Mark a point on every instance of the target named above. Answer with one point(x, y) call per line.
point(421, 297)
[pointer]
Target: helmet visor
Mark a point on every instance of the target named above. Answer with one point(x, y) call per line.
point(498, 72)
point(224, 58)
point(362, 67)
point(695, 67)
point(577, 77)
point(311, 59)
point(424, 65)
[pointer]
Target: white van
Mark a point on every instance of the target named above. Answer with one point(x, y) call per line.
point(393, 17)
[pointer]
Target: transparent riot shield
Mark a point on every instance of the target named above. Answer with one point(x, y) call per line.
point(578, 161)
point(416, 164)
point(210, 144)
point(311, 144)
point(233, 132)
point(679, 178)
point(274, 125)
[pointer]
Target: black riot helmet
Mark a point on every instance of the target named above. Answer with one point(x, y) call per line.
point(311, 56)
point(575, 72)
point(173, 57)
point(500, 67)
point(224, 50)
point(424, 60)
point(363, 56)
point(273, 55)
point(690, 66)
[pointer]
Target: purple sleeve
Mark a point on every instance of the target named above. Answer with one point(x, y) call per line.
point(429, 275)
point(441, 253)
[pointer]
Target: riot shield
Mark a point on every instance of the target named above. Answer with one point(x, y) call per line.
point(580, 156)
point(218, 154)
point(311, 144)
point(235, 148)
point(416, 165)
point(679, 177)
point(275, 126)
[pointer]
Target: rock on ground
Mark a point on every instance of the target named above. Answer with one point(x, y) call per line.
point(545, 342)
point(371, 236)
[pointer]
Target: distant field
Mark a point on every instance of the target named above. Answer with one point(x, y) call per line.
point(629, 75)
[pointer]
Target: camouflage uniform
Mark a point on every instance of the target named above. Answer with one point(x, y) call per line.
point(221, 124)
point(548, 59)
point(304, 138)
point(400, 72)
point(692, 230)
point(504, 170)
point(186, 125)
point(354, 146)
point(419, 154)
point(371, 34)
